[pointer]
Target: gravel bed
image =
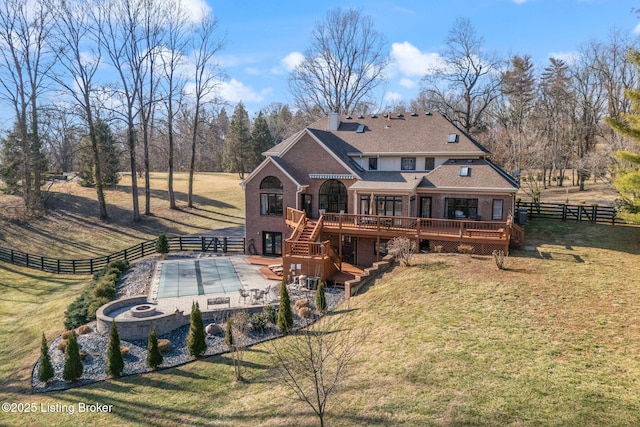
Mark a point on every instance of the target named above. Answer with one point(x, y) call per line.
point(95, 344)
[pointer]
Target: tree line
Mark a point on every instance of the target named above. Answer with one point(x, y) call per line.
point(158, 108)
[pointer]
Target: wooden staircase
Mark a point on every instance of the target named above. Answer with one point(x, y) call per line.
point(304, 239)
point(304, 248)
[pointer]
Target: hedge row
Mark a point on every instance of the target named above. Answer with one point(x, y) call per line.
point(103, 288)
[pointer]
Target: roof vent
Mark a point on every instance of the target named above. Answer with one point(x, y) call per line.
point(470, 161)
point(348, 117)
point(387, 126)
point(360, 116)
point(414, 114)
point(400, 116)
point(428, 113)
point(373, 116)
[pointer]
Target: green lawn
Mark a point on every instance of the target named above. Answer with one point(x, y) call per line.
point(553, 340)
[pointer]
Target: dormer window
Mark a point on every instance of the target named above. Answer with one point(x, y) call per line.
point(465, 171)
point(373, 163)
point(453, 138)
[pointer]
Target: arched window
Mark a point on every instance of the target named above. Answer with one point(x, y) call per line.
point(271, 183)
point(333, 196)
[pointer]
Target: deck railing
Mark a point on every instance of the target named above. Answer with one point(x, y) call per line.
point(432, 226)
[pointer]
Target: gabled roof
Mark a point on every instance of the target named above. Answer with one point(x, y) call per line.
point(425, 134)
point(298, 181)
point(482, 175)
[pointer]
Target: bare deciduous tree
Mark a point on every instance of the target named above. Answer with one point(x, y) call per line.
point(343, 66)
point(25, 61)
point(467, 82)
point(81, 59)
point(206, 44)
point(314, 361)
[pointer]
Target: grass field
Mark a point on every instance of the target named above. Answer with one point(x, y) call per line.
point(553, 340)
point(72, 228)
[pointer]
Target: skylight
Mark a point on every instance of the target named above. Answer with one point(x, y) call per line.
point(453, 137)
point(465, 171)
point(360, 129)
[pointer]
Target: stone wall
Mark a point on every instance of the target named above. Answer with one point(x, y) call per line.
point(368, 276)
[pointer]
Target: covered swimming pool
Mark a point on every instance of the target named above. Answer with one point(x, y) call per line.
point(197, 277)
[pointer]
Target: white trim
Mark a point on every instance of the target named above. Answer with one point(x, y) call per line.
point(261, 166)
point(330, 176)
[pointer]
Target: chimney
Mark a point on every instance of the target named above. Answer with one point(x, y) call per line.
point(334, 121)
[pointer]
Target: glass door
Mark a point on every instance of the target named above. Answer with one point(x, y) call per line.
point(271, 243)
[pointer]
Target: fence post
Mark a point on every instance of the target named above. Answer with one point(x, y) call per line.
point(58, 266)
point(244, 245)
point(579, 213)
point(73, 266)
point(215, 245)
point(142, 250)
point(224, 245)
point(125, 255)
point(180, 240)
point(91, 265)
point(202, 240)
point(26, 257)
point(564, 212)
point(594, 212)
point(42, 263)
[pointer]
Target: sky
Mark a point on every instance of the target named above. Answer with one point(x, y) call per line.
point(265, 39)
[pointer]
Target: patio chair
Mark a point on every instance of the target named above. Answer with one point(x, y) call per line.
point(266, 297)
point(243, 295)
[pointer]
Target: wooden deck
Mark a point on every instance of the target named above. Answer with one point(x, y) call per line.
point(385, 227)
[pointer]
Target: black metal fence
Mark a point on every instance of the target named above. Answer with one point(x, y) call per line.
point(92, 265)
point(566, 212)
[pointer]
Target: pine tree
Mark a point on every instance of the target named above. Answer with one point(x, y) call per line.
point(321, 298)
point(228, 334)
point(115, 363)
point(261, 140)
point(154, 356)
point(237, 153)
point(196, 342)
point(285, 316)
point(627, 180)
point(162, 244)
point(45, 368)
point(72, 363)
point(107, 152)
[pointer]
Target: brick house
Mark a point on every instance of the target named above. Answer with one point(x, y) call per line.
point(369, 178)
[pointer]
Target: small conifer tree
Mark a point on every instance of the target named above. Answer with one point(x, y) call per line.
point(45, 368)
point(162, 244)
point(72, 363)
point(285, 316)
point(115, 363)
point(154, 357)
point(228, 334)
point(196, 342)
point(321, 298)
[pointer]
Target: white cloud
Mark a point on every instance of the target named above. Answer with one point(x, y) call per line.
point(408, 83)
point(235, 91)
point(391, 97)
point(636, 30)
point(196, 9)
point(568, 57)
point(292, 60)
point(288, 63)
point(520, 1)
point(411, 62)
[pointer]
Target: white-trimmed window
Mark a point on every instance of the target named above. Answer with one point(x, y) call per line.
point(496, 213)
